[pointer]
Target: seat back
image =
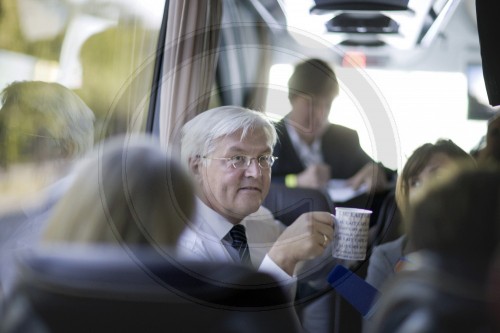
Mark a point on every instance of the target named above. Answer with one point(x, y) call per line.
point(439, 294)
point(108, 290)
point(388, 225)
point(287, 204)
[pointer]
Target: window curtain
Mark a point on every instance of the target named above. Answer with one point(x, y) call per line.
point(189, 64)
point(246, 44)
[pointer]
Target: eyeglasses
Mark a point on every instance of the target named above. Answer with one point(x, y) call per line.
point(243, 162)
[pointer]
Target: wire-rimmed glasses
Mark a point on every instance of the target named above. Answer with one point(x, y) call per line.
point(243, 161)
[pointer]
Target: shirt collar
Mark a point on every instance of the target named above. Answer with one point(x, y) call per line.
point(308, 154)
point(211, 222)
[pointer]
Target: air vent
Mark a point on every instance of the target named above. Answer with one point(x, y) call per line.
point(399, 24)
point(365, 43)
point(322, 6)
point(362, 23)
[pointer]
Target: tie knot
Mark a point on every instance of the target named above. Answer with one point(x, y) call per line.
point(238, 234)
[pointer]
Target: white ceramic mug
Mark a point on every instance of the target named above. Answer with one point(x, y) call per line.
point(351, 233)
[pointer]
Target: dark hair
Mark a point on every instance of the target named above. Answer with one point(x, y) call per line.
point(418, 161)
point(313, 77)
point(459, 218)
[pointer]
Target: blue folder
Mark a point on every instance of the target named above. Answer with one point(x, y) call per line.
point(359, 293)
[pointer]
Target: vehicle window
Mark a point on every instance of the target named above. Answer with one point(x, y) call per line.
point(102, 50)
point(87, 54)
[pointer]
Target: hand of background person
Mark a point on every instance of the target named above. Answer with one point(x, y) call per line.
point(302, 240)
point(314, 176)
point(372, 174)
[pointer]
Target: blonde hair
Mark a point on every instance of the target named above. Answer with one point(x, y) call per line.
point(129, 191)
point(41, 121)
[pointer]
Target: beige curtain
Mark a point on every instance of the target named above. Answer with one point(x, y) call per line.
point(246, 45)
point(189, 64)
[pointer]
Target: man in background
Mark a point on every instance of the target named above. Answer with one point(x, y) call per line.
point(310, 150)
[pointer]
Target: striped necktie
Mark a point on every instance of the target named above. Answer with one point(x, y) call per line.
point(240, 243)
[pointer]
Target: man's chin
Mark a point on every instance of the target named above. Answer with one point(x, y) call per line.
point(237, 216)
point(248, 208)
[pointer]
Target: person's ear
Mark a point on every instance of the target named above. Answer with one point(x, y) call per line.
point(194, 165)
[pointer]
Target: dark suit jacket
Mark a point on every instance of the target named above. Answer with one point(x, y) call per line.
point(340, 147)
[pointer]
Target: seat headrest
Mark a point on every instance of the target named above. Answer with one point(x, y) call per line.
point(103, 289)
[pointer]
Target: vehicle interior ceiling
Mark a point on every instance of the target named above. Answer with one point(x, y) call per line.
point(402, 50)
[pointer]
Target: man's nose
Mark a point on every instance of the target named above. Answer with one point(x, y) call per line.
point(253, 170)
point(321, 112)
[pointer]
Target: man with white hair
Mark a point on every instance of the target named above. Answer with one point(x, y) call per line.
point(229, 152)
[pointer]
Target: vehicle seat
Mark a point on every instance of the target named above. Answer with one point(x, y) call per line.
point(388, 225)
point(442, 294)
point(102, 289)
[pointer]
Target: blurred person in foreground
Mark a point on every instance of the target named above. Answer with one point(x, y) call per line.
point(425, 165)
point(453, 241)
point(44, 129)
point(128, 192)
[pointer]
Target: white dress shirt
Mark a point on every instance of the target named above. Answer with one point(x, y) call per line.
point(205, 238)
